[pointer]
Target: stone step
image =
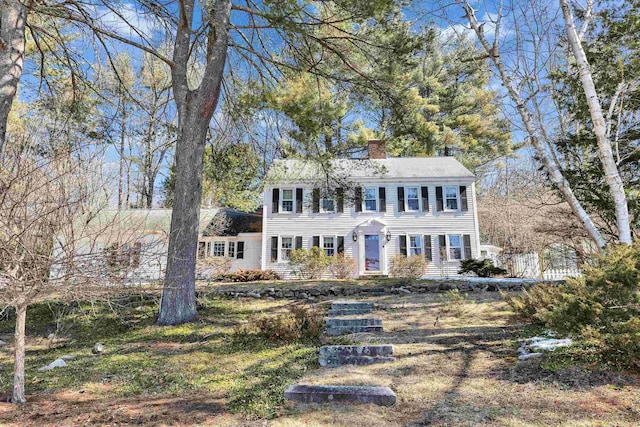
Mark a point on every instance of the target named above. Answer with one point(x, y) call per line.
point(332, 351)
point(351, 305)
point(340, 322)
point(341, 330)
point(332, 362)
point(348, 311)
point(382, 396)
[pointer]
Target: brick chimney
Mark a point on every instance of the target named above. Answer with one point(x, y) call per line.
point(377, 149)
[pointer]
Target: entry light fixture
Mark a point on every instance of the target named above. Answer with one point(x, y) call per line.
point(354, 236)
point(388, 236)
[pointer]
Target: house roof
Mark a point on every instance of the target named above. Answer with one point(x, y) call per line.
point(397, 167)
point(221, 222)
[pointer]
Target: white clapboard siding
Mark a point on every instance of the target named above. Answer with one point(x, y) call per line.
point(252, 249)
point(308, 224)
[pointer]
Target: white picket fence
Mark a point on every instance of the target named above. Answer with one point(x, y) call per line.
point(528, 266)
point(562, 274)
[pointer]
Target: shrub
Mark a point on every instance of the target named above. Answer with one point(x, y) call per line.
point(412, 267)
point(212, 266)
point(249, 276)
point(309, 264)
point(481, 267)
point(342, 267)
point(602, 307)
point(298, 323)
point(452, 302)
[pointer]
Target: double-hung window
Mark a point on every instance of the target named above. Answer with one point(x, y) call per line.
point(218, 248)
point(287, 200)
point(287, 246)
point(455, 246)
point(370, 199)
point(328, 244)
point(413, 203)
point(415, 245)
point(327, 205)
point(451, 198)
point(232, 250)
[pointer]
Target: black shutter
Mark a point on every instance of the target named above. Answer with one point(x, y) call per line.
point(442, 247)
point(425, 198)
point(400, 199)
point(299, 198)
point(382, 195)
point(298, 242)
point(275, 200)
point(340, 200)
point(428, 251)
point(403, 244)
point(274, 249)
point(467, 245)
point(439, 200)
point(464, 205)
point(340, 244)
point(316, 241)
point(358, 199)
point(315, 202)
point(240, 250)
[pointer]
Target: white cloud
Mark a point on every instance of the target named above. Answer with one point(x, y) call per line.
point(126, 20)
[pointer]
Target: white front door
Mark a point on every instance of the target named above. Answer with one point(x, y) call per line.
point(372, 253)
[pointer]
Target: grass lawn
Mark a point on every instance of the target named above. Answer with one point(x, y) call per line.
point(460, 370)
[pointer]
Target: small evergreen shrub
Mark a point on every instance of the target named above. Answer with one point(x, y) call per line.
point(602, 307)
point(452, 302)
point(342, 267)
point(481, 268)
point(412, 267)
point(309, 263)
point(299, 323)
point(249, 276)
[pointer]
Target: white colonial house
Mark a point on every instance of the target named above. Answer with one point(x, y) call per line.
point(384, 207)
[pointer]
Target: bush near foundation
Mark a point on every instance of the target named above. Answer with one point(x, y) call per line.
point(412, 267)
point(481, 268)
point(249, 276)
point(299, 323)
point(601, 308)
point(309, 263)
point(342, 267)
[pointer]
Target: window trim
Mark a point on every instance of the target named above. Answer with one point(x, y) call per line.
point(322, 209)
point(293, 200)
point(445, 208)
point(231, 253)
point(281, 257)
point(375, 199)
point(406, 199)
point(224, 248)
point(333, 245)
point(419, 244)
point(449, 247)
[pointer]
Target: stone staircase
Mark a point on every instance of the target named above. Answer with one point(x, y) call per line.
point(339, 355)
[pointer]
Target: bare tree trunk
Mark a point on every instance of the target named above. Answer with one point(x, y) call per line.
point(121, 168)
point(611, 173)
point(13, 18)
point(195, 109)
point(19, 354)
point(550, 165)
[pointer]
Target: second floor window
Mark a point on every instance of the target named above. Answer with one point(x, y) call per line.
point(218, 248)
point(451, 198)
point(327, 205)
point(370, 199)
point(287, 247)
point(287, 200)
point(413, 203)
point(328, 246)
point(415, 245)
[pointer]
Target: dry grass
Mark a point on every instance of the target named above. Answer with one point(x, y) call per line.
point(461, 371)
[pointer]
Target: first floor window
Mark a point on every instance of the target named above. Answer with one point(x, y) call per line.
point(370, 200)
point(413, 203)
point(415, 245)
point(328, 246)
point(287, 246)
point(455, 246)
point(451, 198)
point(232, 250)
point(218, 248)
point(287, 200)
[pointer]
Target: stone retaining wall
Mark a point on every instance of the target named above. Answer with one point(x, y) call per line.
point(350, 289)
